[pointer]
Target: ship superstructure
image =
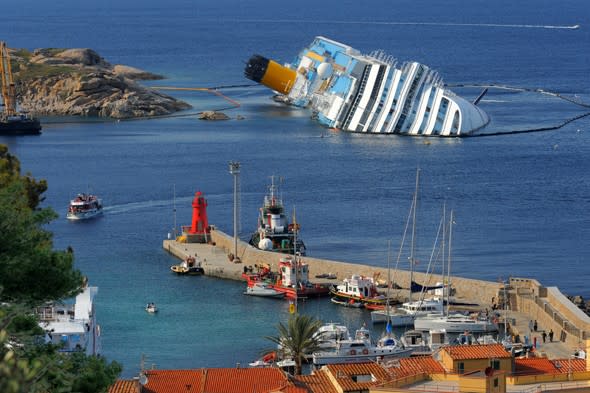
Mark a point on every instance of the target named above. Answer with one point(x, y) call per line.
point(368, 93)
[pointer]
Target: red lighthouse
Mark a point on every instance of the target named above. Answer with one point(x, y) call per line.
point(200, 225)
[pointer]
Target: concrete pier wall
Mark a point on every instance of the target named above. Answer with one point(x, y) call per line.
point(471, 290)
point(527, 298)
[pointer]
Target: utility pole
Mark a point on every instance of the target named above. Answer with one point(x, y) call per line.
point(234, 169)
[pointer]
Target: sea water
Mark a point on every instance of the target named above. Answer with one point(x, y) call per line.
point(520, 202)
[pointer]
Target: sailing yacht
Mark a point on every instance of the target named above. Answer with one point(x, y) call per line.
point(453, 323)
point(408, 311)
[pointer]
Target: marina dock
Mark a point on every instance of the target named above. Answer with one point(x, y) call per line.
point(526, 300)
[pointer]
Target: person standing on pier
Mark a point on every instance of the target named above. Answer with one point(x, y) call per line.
point(531, 325)
point(535, 325)
point(551, 335)
point(544, 335)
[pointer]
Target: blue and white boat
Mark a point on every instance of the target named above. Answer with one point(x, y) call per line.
point(371, 93)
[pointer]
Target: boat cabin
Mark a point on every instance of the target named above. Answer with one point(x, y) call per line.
point(358, 286)
point(293, 272)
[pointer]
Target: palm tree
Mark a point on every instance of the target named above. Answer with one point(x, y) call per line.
point(298, 338)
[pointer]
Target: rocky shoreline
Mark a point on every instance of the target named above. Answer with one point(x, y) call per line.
point(79, 82)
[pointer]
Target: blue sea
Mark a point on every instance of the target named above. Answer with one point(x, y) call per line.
point(521, 202)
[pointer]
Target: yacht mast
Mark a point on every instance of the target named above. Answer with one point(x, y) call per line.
point(412, 249)
point(449, 262)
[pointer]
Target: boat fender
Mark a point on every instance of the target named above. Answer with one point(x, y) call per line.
point(352, 352)
point(365, 351)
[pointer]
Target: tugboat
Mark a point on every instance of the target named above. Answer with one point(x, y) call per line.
point(293, 280)
point(12, 122)
point(274, 232)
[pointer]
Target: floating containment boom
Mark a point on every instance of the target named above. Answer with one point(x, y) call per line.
point(368, 93)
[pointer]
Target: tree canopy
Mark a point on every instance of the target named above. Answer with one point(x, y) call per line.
point(32, 273)
point(298, 338)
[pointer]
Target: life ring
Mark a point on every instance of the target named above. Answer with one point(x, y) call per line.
point(365, 351)
point(352, 352)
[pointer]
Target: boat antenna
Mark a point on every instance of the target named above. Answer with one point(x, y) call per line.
point(389, 283)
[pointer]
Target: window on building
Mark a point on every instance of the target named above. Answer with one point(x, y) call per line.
point(495, 382)
point(496, 364)
point(461, 368)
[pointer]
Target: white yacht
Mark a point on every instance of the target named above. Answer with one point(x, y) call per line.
point(405, 314)
point(369, 93)
point(360, 349)
point(455, 323)
point(72, 324)
point(330, 334)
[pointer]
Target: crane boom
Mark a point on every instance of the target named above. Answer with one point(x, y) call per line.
point(8, 88)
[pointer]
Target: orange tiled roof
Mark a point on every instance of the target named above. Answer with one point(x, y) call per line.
point(318, 382)
point(219, 380)
point(547, 366)
point(345, 375)
point(534, 366)
point(483, 351)
point(416, 365)
point(124, 386)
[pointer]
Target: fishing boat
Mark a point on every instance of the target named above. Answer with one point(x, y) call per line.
point(293, 279)
point(357, 290)
point(71, 324)
point(84, 206)
point(151, 308)
point(361, 350)
point(190, 266)
point(263, 290)
point(370, 93)
point(274, 232)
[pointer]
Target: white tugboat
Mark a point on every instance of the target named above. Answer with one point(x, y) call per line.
point(274, 232)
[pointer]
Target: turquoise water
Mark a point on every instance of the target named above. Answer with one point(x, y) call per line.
point(521, 201)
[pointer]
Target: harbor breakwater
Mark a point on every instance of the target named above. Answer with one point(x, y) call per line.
point(525, 297)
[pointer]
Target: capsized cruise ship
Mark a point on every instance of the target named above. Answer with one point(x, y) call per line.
point(368, 93)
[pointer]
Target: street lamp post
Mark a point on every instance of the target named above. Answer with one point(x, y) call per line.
point(234, 169)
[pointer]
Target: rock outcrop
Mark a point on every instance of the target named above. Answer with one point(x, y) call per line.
point(79, 82)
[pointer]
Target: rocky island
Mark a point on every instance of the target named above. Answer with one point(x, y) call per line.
point(79, 82)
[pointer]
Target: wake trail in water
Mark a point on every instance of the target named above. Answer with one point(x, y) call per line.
point(443, 24)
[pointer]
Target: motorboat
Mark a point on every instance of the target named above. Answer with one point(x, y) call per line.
point(361, 350)
point(151, 308)
point(83, 207)
point(263, 290)
point(357, 289)
point(405, 314)
point(330, 334)
point(274, 231)
point(71, 324)
point(347, 303)
point(191, 266)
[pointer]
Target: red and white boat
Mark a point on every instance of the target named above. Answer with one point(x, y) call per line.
point(84, 206)
point(293, 279)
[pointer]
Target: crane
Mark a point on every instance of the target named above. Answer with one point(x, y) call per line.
point(8, 88)
point(12, 122)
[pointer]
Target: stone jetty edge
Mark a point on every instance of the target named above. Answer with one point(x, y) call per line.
point(527, 297)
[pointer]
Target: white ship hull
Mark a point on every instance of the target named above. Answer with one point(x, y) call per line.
point(454, 324)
